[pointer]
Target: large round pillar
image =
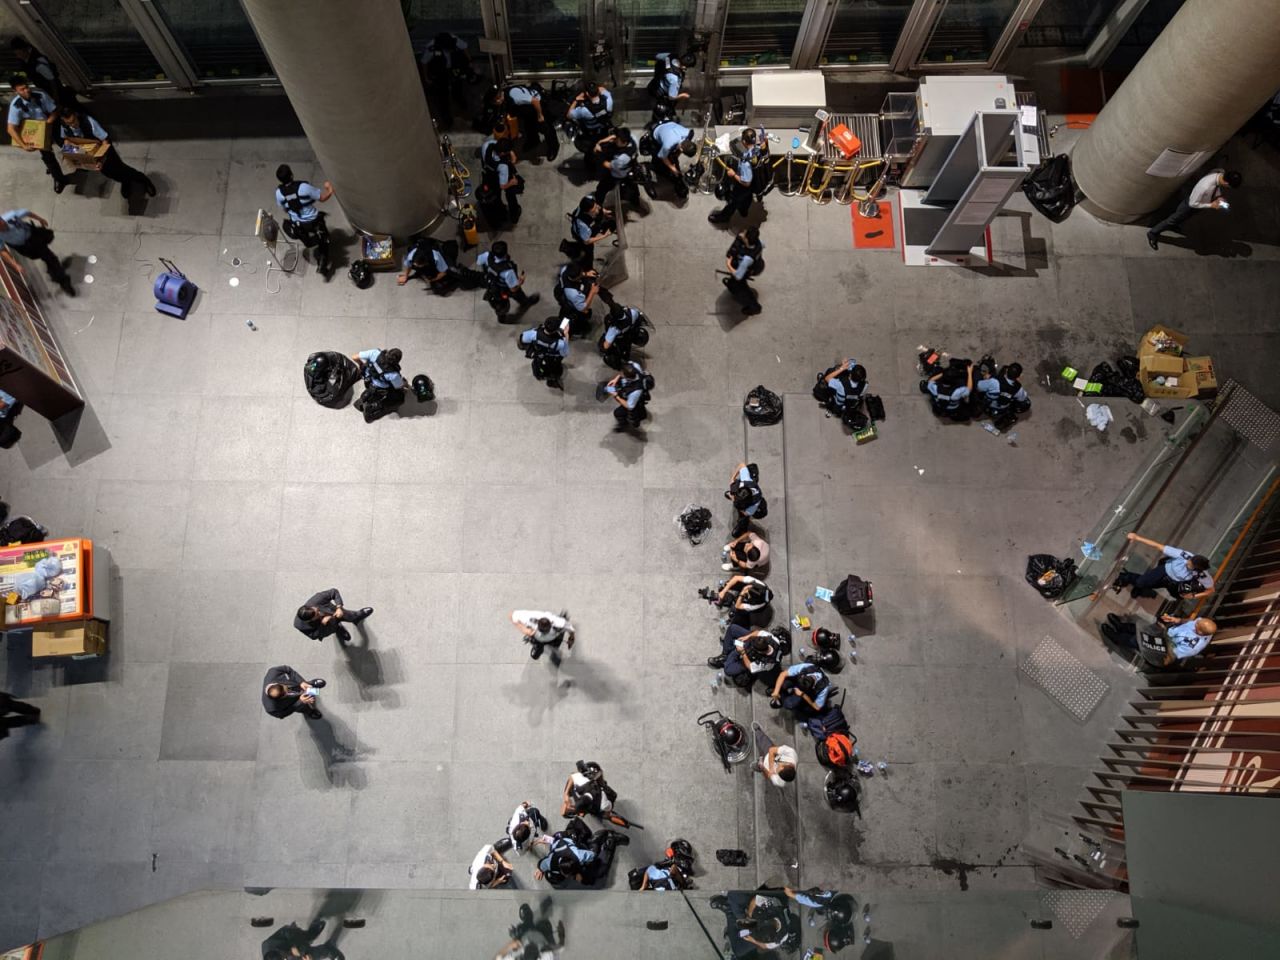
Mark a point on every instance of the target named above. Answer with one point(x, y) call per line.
point(350, 74)
point(1210, 69)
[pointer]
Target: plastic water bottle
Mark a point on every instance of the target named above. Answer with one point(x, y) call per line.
point(866, 935)
point(883, 767)
point(991, 429)
point(866, 913)
point(248, 322)
point(853, 657)
point(853, 641)
point(808, 603)
point(1013, 438)
point(716, 680)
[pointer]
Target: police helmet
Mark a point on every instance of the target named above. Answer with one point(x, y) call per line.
point(842, 793)
point(423, 388)
point(662, 111)
point(361, 275)
point(838, 937)
point(842, 908)
point(589, 769)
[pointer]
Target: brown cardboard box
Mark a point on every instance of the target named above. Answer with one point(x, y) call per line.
point(83, 153)
point(1147, 349)
point(75, 637)
point(1162, 365)
point(1200, 372)
point(36, 133)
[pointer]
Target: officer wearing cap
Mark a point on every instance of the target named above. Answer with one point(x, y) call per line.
point(591, 112)
point(671, 139)
point(630, 390)
point(31, 103)
point(500, 181)
point(298, 199)
point(738, 175)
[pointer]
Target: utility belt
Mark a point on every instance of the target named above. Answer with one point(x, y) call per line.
point(308, 232)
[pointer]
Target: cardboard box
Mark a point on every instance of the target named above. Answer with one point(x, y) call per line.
point(1147, 348)
point(73, 638)
point(1200, 372)
point(1185, 377)
point(1162, 365)
point(36, 133)
point(83, 153)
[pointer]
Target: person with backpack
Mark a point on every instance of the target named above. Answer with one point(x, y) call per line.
point(41, 71)
point(543, 629)
point(589, 223)
point(664, 875)
point(74, 122)
point(668, 77)
point(591, 113)
point(587, 792)
point(738, 175)
point(490, 870)
point(840, 389)
point(577, 854)
point(526, 827)
point(499, 182)
point(747, 498)
point(503, 281)
point(949, 391)
point(1001, 392)
point(547, 346)
point(305, 223)
point(575, 291)
point(631, 390)
point(745, 262)
point(383, 382)
point(802, 688)
point(627, 328)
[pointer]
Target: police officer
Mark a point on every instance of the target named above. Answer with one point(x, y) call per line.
point(576, 290)
point(298, 199)
point(547, 345)
point(1003, 393)
point(630, 390)
point(591, 112)
point(74, 122)
point(844, 385)
point(618, 151)
point(525, 104)
point(499, 180)
point(383, 382)
point(664, 875)
point(589, 223)
point(745, 261)
point(1183, 573)
point(802, 688)
point(426, 259)
point(626, 329)
point(444, 66)
point(504, 281)
point(578, 854)
point(28, 233)
point(671, 138)
point(949, 394)
point(668, 77)
point(32, 103)
point(738, 174)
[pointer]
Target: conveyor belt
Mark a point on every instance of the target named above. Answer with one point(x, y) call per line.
point(866, 127)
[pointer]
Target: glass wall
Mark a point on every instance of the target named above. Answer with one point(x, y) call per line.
point(865, 31)
point(966, 31)
point(1068, 23)
point(462, 18)
point(1155, 17)
point(217, 35)
point(104, 37)
point(656, 26)
point(760, 32)
point(546, 34)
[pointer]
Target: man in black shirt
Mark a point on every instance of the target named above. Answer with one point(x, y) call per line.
point(324, 614)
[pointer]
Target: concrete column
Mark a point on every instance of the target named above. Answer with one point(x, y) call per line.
point(350, 74)
point(1211, 68)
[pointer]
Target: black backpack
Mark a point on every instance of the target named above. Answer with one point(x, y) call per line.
point(22, 530)
point(853, 595)
point(762, 407)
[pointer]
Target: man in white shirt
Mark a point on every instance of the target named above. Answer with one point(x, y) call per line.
point(489, 870)
point(776, 764)
point(542, 629)
point(1206, 194)
point(526, 827)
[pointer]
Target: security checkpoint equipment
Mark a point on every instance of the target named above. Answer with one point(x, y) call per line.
point(174, 293)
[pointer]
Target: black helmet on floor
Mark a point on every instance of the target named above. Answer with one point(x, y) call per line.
point(423, 388)
point(361, 275)
point(842, 793)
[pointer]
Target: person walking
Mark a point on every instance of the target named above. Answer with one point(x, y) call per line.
point(547, 346)
point(631, 390)
point(325, 614)
point(285, 693)
point(74, 122)
point(28, 233)
point(305, 223)
point(31, 103)
point(745, 263)
point(1206, 194)
point(15, 713)
point(542, 629)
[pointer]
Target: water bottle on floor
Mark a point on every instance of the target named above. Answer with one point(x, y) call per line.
point(716, 679)
point(991, 429)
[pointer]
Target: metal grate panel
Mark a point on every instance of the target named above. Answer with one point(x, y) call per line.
point(866, 127)
point(1251, 418)
point(1077, 909)
point(1065, 678)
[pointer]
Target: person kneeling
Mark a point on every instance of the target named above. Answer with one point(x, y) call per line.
point(383, 382)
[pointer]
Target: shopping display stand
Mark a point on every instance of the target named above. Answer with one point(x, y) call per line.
point(70, 616)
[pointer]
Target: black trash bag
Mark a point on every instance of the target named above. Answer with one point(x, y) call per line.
point(328, 375)
point(695, 521)
point(1050, 189)
point(1049, 575)
point(22, 530)
point(762, 407)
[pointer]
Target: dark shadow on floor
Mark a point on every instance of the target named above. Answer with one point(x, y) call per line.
point(373, 671)
point(338, 751)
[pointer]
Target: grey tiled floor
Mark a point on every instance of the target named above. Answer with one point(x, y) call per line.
point(225, 497)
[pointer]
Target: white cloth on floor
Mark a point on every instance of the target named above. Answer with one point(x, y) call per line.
point(1099, 414)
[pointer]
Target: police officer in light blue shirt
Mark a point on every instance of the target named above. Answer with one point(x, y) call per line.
point(948, 394)
point(745, 261)
point(74, 122)
point(298, 199)
point(802, 688)
point(500, 181)
point(619, 150)
point(383, 382)
point(547, 346)
point(591, 112)
point(10, 407)
point(630, 391)
point(1183, 573)
point(738, 174)
point(672, 139)
point(663, 876)
point(525, 103)
point(31, 103)
point(625, 329)
point(1185, 637)
point(669, 75)
point(27, 233)
point(504, 280)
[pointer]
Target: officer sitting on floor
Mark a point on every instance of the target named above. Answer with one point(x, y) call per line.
point(547, 345)
point(630, 390)
point(949, 391)
point(504, 281)
point(591, 113)
point(748, 652)
point(671, 139)
point(587, 792)
point(579, 855)
point(428, 258)
point(802, 688)
point(840, 391)
point(576, 291)
point(383, 382)
point(298, 199)
point(745, 262)
point(1184, 637)
point(664, 875)
point(1001, 392)
point(744, 595)
point(627, 328)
